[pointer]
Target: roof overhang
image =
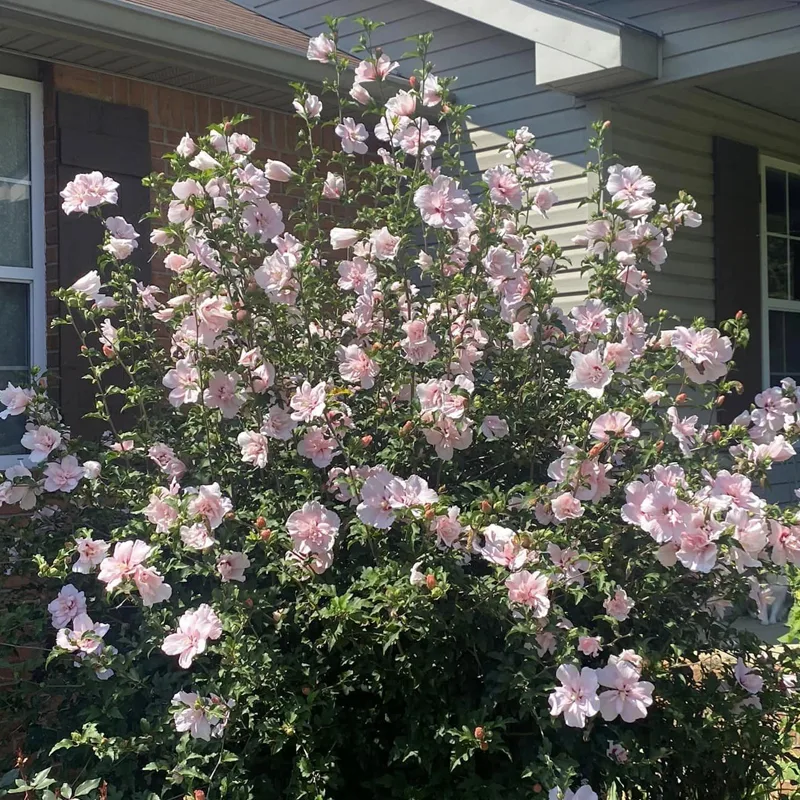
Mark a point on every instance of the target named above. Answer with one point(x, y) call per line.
point(577, 51)
point(131, 28)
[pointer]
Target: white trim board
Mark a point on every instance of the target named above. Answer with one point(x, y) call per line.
point(35, 275)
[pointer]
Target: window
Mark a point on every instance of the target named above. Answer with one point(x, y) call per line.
point(22, 276)
point(780, 274)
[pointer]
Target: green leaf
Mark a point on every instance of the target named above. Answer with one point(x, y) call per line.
point(87, 786)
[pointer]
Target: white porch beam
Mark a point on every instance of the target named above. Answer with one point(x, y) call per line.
point(574, 49)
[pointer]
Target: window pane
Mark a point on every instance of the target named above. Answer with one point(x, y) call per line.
point(12, 428)
point(791, 342)
point(14, 326)
point(14, 355)
point(794, 269)
point(14, 135)
point(776, 201)
point(784, 346)
point(15, 224)
point(777, 268)
point(777, 362)
point(794, 204)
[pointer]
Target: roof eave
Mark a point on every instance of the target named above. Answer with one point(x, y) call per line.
point(176, 39)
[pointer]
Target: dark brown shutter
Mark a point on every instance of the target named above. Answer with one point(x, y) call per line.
point(737, 257)
point(114, 139)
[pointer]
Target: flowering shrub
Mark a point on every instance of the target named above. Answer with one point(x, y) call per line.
point(380, 517)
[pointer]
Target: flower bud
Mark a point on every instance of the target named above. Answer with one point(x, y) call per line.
point(108, 352)
point(606, 125)
point(716, 435)
point(478, 733)
point(719, 401)
point(199, 794)
point(306, 691)
point(366, 440)
point(377, 346)
point(261, 522)
point(407, 428)
point(537, 788)
point(597, 449)
point(84, 348)
point(681, 398)
point(429, 513)
point(486, 506)
point(659, 445)
point(445, 108)
point(739, 314)
point(430, 582)
point(265, 534)
point(412, 81)
point(249, 602)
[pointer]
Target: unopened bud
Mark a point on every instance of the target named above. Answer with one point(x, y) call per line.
point(739, 314)
point(486, 506)
point(84, 348)
point(366, 440)
point(681, 398)
point(537, 788)
point(412, 81)
point(430, 582)
point(737, 386)
point(265, 534)
point(261, 522)
point(230, 515)
point(249, 602)
point(376, 347)
point(606, 125)
point(407, 428)
point(277, 616)
point(445, 108)
point(108, 352)
point(659, 445)
point(720, 400)
point(429, 513)
point(199, 794)
point(228, 128)
point(241, 314)
point(478, 732)
point(597, 449)
point(716, 435)
point(306, 691)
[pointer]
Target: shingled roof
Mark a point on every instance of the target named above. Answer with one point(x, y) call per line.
point(224, 15)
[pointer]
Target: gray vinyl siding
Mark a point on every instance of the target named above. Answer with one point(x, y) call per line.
point(495, 74)
point(703, 36)
point(669, 133)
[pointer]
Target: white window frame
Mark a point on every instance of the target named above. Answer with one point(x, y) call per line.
point(34, 276)
point(770, 303)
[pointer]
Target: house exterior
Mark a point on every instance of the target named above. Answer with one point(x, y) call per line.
point(698, 93)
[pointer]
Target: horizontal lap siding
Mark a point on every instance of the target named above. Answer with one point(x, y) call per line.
point(495, 74)
point(669, 133)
